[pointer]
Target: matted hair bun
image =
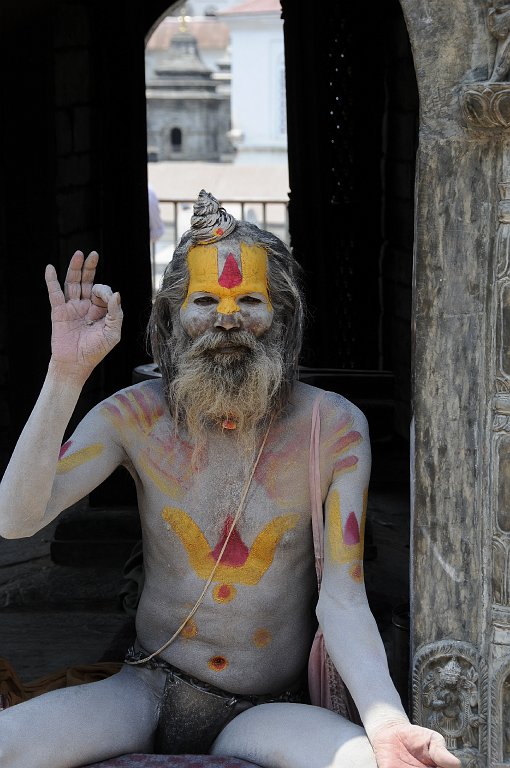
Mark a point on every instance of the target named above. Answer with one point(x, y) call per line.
point(210, 222)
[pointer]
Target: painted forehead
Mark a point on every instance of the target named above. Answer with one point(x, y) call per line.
point(228, 269)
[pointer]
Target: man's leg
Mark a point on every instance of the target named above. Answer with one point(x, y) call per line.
point(297, 735)
point(83, 724)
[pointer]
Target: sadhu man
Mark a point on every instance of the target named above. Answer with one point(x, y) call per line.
point(219, 450)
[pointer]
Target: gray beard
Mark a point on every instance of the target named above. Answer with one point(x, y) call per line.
point(226, 375)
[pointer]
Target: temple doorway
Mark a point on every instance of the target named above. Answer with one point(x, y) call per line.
point(351, 219)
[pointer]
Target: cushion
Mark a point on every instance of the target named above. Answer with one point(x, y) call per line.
point(172, 761)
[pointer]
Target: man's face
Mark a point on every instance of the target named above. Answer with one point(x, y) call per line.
point(227, 291)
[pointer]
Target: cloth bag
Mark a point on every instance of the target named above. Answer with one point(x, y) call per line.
point(325, 686)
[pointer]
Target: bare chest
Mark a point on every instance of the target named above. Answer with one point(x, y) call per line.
point(188, 516)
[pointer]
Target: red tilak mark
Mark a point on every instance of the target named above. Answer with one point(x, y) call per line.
point(230, 275)
point(351, 533)
point(236, 552)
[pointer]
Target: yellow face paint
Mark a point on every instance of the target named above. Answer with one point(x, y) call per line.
point(230, 282)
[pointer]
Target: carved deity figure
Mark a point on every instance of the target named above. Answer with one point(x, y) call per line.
point(220, 450)
point(498, 21)
point(451, 696)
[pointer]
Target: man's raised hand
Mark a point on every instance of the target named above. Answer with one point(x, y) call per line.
point(86, 318)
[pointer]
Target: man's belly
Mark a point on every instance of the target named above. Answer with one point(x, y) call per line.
point(253, 643)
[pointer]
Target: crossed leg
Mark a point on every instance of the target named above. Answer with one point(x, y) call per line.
point(83, 724)
point(297, 735)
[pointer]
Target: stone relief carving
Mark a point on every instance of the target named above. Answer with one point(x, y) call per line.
point(450, 696)
point(500, 449)
point(500, 572)
point(500, 705)
point(498, 22)
point(503, 484)
point(501, 614)
point(501, 405)
point(505, 702)
point(503, 236)
point(487, 104)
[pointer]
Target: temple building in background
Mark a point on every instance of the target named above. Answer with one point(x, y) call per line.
point(216, 85)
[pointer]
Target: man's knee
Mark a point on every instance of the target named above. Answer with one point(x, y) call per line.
point(277, 735)
point(12, 742)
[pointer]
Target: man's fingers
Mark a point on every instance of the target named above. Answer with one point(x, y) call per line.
point(55, 293)
point(100, 295)
point(440, 755)
point(72, 283)
point(88, 273)
point(114, 306)
point(102, 299)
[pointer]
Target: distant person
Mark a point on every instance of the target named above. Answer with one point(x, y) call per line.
point(156, 226)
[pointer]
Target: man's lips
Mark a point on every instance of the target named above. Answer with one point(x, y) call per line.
point(229, 348)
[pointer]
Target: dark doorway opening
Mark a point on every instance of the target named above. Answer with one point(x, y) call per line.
point(176, 139)
point(352, 149)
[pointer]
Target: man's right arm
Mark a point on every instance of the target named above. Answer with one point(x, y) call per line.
point(86, 321)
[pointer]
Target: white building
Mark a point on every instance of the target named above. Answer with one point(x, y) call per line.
point(259, 128)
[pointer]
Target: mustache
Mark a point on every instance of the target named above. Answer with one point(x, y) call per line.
point(214, 340)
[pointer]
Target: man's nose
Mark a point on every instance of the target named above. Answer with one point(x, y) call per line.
point(228, 322)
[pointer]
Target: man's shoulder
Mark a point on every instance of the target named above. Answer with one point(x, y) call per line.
point(333, 406)
point(142, 404)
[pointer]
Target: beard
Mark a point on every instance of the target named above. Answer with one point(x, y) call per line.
point(226, 374)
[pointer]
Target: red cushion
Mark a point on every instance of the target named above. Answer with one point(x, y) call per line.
point(172, 761)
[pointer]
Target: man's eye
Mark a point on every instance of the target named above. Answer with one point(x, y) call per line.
point(249, 300)
point(205, 301)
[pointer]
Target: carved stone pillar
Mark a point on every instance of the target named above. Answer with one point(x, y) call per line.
point(499, 488)
point(460, 601)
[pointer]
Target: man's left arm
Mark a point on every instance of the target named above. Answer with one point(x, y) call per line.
point(350, 631)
